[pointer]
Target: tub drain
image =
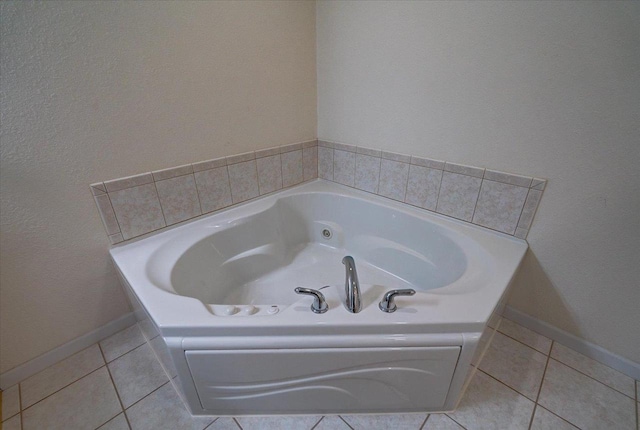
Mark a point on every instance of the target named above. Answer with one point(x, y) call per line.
point(326, 233)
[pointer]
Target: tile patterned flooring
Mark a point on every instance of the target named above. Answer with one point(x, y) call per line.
point(525, 381)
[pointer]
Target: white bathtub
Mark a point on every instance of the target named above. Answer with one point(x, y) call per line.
point(220, 291)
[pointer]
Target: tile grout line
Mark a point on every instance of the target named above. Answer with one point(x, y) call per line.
point(113, 384)
point(535, 403)
point(318, 423)
point(522, 209)
point(503, 383)
point(20, 406)
point(195, 183)
point(558, 416)
point(591, 377)
point(527, 345)
point(62, 388)
point(164, 218)
point(345, 421)
point(448, 416)
point(424, 422)
point(237, 423)
point(114, 215)
point(147, 395)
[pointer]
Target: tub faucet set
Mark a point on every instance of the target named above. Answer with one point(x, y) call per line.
point(352, 290)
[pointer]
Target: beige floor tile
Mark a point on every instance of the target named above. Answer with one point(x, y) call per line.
point(279, 422)
point(148, 328)
point(545, 420)
point(61, 374)
point(583, 401)
point(332, 422)
point(12, 423)
point(224, 423)
point(441, 422)
point(118, 423)
point(85, 404)
point(526, 336)
point(163, 409)
point(136, 374)
point(596, 370)
point(393, 421)
point(10, 402)
point(122, 342)
point(490, 405)
point(515, 364)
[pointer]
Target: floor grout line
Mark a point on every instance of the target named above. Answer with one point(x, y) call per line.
point(424, 422)
point(57, 391)
point(237, 423)
point(448, 416)
point(147, 395)
point(558, 416)
point(553, 342)
point(525, 344)
point(544, 372)
point(345, 421)
point(591, 377)
point(113, 384)
point(505, 384)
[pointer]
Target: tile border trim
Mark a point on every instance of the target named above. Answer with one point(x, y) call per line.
point(49, 358)
point(575, 343)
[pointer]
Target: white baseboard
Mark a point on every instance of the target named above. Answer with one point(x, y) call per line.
point(31, 367)
point(582, 346)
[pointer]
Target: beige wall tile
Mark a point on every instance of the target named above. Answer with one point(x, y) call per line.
point(138, 210)
point(269, 173)
point(344, 167)
point(243, 178)
point(423, 187)
point(393, 179)
point(530, 207)
point(213, 189)
point(172, 172)
point(367, 173)
point(310, 163)
point(107, 214)
point(128, 182)
point(179, 198)
point(499, 206)
point(458, 195)
point(325, 163)
point(291, 168)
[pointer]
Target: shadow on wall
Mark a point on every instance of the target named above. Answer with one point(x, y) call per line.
point(534, 294)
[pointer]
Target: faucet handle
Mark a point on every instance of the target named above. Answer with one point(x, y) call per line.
point(387, 304)
point(319, 305)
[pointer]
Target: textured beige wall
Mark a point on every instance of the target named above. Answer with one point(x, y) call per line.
point(93, 91)
point(549, 89)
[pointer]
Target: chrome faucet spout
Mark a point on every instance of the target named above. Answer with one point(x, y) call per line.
point(351, 285)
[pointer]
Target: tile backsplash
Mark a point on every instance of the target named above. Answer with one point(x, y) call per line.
point(500, 201)
point(136, 205)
